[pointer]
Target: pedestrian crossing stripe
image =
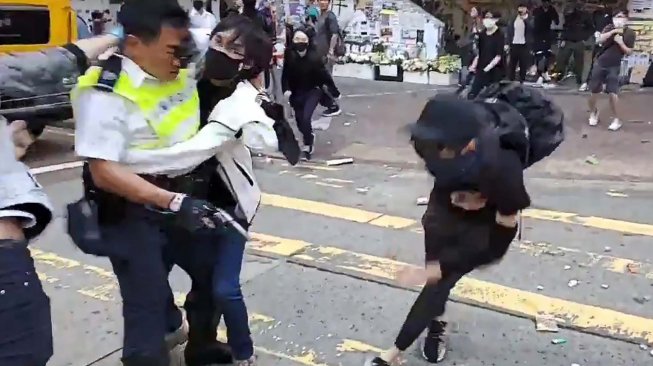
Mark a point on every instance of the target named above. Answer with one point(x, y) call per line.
point(396, 222)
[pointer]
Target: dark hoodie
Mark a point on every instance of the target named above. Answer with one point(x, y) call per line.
point(578, 25)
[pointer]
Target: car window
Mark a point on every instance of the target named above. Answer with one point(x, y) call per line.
point(82, 28)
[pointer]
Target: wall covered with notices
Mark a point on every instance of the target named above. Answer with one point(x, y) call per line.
point(644, 40)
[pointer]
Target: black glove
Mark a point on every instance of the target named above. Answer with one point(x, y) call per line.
point(288, 144)
point(195, 214)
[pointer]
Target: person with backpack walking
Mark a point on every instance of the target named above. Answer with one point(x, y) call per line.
point(472, 214)
point(327, 39)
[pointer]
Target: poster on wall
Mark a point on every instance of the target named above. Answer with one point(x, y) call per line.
point(644, 38)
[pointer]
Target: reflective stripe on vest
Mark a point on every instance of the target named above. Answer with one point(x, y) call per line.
point(171, 109)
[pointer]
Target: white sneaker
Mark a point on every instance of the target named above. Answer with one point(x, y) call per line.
point(583, 88)
point(539, 81)
point(615, 125)
point(594, 118)
point(546, 76)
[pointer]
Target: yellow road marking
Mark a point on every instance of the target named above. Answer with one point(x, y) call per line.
point(588, 318)
point(306, 357)
point(382, 220)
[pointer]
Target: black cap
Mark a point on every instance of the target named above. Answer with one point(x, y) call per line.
point(449, 121)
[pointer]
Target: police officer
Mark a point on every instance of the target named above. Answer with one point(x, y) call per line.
point(143, 100)
point(25, 211)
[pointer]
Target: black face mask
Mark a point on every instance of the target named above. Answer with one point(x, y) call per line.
point(300, 47)
point(219, 66)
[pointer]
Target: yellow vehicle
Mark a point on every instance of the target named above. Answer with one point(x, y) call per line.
point(31, 25)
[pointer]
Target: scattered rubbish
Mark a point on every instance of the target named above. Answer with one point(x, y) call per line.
point(558, 341)
point(567, 267)
point(421, 201)
point(321, 124)
point(540, 288)
point(632, 268)
point(572, 283)
point(614, 193)
point(604, 286)
point(643, 347)
point(642, 299)
point(335, 162)
point(607, 249)
point(584, 135)
point(347, 124)
point(546, 323)
point(575, 364)
point(592, 160)
point(363, 190)
point(651, 353)
point(349, 114)
point(645, 141)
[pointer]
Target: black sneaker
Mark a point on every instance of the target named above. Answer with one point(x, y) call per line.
point(376, 361)
point(208, 354)
point(435, 345)
point(308, 152)
point(332, 111)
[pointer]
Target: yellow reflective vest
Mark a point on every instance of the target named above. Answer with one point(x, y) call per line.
point(171, 109)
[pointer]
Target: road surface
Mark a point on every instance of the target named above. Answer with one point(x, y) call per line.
point(328, 241)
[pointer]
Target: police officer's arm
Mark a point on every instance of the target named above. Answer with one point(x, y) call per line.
point(101, 136)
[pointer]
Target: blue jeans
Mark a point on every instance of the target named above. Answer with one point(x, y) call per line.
point(228, 294)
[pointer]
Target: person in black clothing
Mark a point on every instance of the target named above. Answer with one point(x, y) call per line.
point(520, 43)
point(601, 18)
point(487, 66)
point(307, 83)
point(470, 219)
point(576, 30)
point(250, 11)
point(543, 37)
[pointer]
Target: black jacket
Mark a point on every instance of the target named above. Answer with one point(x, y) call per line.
point(578, 26)
point(301, 74)
point(543, 17)
point(529, 31)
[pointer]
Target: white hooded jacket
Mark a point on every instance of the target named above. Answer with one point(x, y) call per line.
point(236, 125)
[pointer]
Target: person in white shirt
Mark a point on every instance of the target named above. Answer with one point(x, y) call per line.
point(200, 18)
point(520, 43)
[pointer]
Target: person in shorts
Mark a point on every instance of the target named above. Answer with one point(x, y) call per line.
point(617, 40)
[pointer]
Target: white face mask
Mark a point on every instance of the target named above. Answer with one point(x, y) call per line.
point(619, 22)
point(489, 23)
point(302, 53)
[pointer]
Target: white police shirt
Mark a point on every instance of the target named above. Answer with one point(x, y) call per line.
point(108, 126)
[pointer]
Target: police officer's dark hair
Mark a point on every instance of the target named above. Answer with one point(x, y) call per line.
point(144, 18)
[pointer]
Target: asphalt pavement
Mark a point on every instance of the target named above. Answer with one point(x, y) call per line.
point(320, 273)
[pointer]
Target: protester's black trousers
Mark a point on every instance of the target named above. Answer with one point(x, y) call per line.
point(460, 241)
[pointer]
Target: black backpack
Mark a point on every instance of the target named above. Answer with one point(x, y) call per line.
point(528, 121)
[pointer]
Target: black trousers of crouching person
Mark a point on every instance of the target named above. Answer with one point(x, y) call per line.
point(461, 241)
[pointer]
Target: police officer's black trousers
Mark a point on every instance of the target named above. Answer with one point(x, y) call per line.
point(139, 261)
point(25, 322)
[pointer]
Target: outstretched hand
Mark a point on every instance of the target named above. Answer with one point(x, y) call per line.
point(288, 144)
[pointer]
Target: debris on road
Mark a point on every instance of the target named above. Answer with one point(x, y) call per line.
point(613, 193)
point(558, 341)
point(363, 190)
point(540, 288)
point(422, 201)
point(592, 160)
point(604, 286)
point(546, 323)
point(346, 124)
point(336, 162)
point(642, 299)
point(567, 267)
point(607, 249)
point(572, 283)
point(632, 268)
point(643, 347)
